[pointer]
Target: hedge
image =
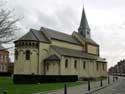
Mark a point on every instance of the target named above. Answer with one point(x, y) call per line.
point(35, 79)
point(5, 74)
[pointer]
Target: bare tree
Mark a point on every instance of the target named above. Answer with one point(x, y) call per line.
point(8, 24)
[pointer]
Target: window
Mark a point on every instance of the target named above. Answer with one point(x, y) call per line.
point(47, 66)
point(16, 54)
point(27, 55)
point(75, 64)
point(2, 57)
point(103, 66)
point(97, 66)
point(66, 63)
point(88, 33)
point(84, 64)
point(29, 44)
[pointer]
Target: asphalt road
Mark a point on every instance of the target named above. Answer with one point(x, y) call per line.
point(116, 88)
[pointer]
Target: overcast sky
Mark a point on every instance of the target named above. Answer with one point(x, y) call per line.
point(105, 17)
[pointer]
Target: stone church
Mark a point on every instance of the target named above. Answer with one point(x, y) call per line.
point(50, 52)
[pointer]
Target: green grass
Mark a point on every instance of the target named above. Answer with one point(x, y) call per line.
point(7, 84)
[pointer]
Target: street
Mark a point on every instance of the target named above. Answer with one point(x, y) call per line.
point(116, 88)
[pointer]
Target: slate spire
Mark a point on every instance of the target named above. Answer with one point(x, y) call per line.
point(84, 29)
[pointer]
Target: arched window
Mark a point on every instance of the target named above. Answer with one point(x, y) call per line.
point(16, 54)
point(66, 63)
point(27, 57)
point(30, 44)
point(26, 44)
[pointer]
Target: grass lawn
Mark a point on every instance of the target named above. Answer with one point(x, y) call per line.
point(7, 84)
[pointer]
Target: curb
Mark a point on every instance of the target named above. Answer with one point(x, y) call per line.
point(97, 89)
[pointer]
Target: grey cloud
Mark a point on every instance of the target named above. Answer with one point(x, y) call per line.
point(65, 16)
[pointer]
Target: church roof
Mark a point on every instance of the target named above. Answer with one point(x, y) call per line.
point(45, 34)
point(53, 57)
point(101, 60)
point(52, 34)
point(73, 53)
point(34, 35)
point(84, 23)
point(84, 26)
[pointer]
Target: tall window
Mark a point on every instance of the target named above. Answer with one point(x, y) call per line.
point(84, 64)
point(27, 55)
point(103, 66)
point(47, 66)
point(75, 64)
point(97, 66)
point(66, 63)
point(16, 54)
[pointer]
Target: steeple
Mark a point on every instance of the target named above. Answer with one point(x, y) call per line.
point(84, 29)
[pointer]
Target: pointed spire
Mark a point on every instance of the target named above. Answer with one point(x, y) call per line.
point(84, 29)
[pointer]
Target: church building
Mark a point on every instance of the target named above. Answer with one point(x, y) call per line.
point(50, 52)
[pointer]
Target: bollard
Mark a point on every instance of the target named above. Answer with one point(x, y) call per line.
point(89, 87)
point(113, 79)
point(101, 83)
point(116, 77)
point(108, 80)
point(65, 89)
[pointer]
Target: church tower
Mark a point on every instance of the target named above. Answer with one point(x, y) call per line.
point(84, 29)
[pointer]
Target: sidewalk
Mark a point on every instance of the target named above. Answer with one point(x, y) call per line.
point(80, 89)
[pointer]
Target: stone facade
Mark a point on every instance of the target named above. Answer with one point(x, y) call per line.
point(4, 60)
point(49, 52)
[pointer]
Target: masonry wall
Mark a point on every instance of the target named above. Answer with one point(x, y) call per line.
point(67, 45)
point(23, 66)
point(53, 68)
point(4, 60)
point(90, 69)
point(44, 52)
point(92, 49)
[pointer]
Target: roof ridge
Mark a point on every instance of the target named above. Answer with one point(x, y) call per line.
point(34, 34)
point(56, 31)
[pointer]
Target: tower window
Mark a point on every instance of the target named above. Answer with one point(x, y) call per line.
point(75, 64)
point(27, 57)
point(88, 33)
point(16, 54)
point(66, 63)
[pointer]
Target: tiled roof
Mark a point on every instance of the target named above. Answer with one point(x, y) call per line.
point(59, 35)
point(101, 60)
point(53, 57)
point(73, 53)
point(45, 35)
point(34, 35)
